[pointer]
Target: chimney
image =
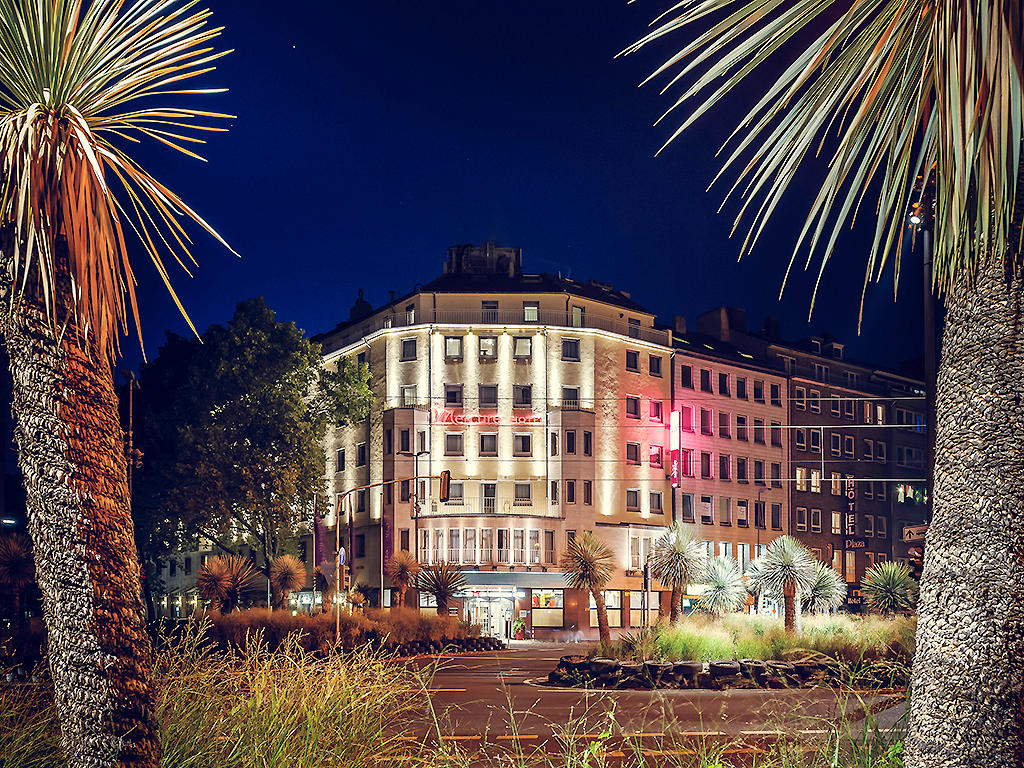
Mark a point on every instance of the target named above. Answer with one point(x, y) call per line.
point(772, 328)
point(679, 324)
point(714, 323)
point(391, 297)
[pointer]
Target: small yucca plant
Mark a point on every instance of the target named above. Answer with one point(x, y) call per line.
point(889, 588)
point(402, 569)
point(826, 592)
point(589, 564)
point(725, 591)
point(443, 581)
point(223, 580)
point(785, 570)
point(678, 560)
point(287, 574)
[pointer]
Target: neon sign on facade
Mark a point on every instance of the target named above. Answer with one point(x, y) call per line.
point(444, 416)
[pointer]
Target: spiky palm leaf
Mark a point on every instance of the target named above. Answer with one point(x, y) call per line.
point(443, 581)
point(17, 570)
point(78, 87)
point(402, 569)
point(902, 88)
point(753, 575)
point(223, 580)
point(889, 587)
point(725, 590)
point(785, 564)
point(588, 563)
point(826, 592)
point(287, 574)
point(678, 558)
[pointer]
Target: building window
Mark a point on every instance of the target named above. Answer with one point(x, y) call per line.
point(656, 410)
point(776, 395)
point(571, 398)
point(656, 452)
point(632, 453)
point(800, 439)
point(880, 452)
point(409, 395)
point(570, 491)
point(801, 518)
point(851, 566)
point(815, 481)
point(821, 373)
point(453, 347)
point(588, 443)
point(836, 444)
point(686, 376)
point(741, 387)
point(408, 349)
point(613, 607)
point(522, 396)
point(686, 462)
point(570, 441)
point(724, 424)
point(741, 469)
point(882, 527)
point(834, 405)
point(705, 465)
point(909, 457)
point(453, 395)
point(801, 479)
point(776, 429)
point(816, 521)
point(488, 347)
point(633, 499)
point(455, 494)
point(776, 474)
point(723, 385)
point(522, 444)
point(489, 444)
point(487, 396)
point(908, 419)
point(686, 418)
point(799, 398)
point(742, 513)
point(554, 443)
point(403, 440)
point(588, 492)
point(705, 380)
point(632, 407)
point(706, 427)
point(522, 347)
point(776, 516)
point(547, 608)
point(522, 495)
point(339, 460)
point(571, 350)
point(655, 501)
point(850, 447)
point(361, 455)
point(758, 391)
point(741, 427)
point(686, 508)
point(837, 485)
point(837, 523)
point(869, 526)
point(706, 510)
point(759, 521)
point(815, 437)
point(869, 450)
point(848, 408)
point(724, 511)
point(453, 444)
point(724, 466)
point(632, 360)
point(388, 442)
point(531, 311)
point(554, 491)
point(654, 365)
point(758, 472)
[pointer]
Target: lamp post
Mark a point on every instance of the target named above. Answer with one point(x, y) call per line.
point(921, 218)
point(415, 503)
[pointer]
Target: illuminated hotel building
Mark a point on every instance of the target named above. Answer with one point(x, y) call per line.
point(550, 401)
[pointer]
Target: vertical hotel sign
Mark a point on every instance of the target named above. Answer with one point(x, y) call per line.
point(851, 507)
point(673, 445)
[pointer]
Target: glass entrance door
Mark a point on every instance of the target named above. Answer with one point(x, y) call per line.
point(493, 614)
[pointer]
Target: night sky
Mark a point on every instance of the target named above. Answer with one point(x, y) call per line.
point(371, 136)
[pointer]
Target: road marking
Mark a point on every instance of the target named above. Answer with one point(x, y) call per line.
point(763, 733)
point(408, 738)
point(518, 737)
point(446, 690)
point(641, 735)
point(458, 738)
point(666, 752)
point(805, 730)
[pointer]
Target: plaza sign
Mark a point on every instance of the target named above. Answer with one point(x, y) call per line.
point(445, 416)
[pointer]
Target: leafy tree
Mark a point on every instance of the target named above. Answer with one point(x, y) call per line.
point(80, 85)
point(889, 588)
point(923, 103)
point(785, 570)
point(827, 590)
point(443, 581)
point(589, 565)
point(678, 559)
point(402, 570)
point(232, 431)
point(725, 591)
point(225, 581)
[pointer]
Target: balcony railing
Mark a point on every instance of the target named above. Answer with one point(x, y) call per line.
point(488, 506)
point(495, 317)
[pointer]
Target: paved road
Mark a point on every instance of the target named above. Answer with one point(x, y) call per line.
point(491, 698)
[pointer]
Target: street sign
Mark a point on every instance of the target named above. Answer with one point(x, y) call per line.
point(914, 532)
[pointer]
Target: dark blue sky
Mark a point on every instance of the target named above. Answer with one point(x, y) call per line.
point(371, 136)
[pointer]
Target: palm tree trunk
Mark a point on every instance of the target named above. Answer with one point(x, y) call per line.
point(967, 706)
point(71, 454)
point(676, 598)
point(602, 616)
point(789, 608)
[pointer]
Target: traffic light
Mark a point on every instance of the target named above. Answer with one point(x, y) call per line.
point(916, 555)
point(446, 485)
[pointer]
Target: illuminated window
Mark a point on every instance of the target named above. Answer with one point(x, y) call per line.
point(488, 347)
point(453, 347)
point(837, 523)
point(632, 453)
point(656, 410)
point(531, 311)
point(408, 349)
point(548, 606)
point(571, 350)
point(522, 347)
point(801, 479)
point(837, 485)
point(815, 481)
point(632, 360)
point(656, 455)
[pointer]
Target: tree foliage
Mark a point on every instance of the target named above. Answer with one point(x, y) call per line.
point(402, 569)
point(889, 588)
point(826, 592)
point(442, 581)
point(226, 581)
point(725, 591)
point(232, 429)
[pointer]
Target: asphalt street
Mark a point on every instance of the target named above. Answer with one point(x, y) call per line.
point(495, 699)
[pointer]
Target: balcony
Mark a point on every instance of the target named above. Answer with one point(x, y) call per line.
point(489, 506)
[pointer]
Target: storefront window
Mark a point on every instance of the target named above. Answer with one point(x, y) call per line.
point(613, 602)
point(548, 608)
point(636, 605)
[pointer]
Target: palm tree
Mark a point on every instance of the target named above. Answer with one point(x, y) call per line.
point(402, 570)
point(677, 560)
point(785, 570)
point(224, 580)
point(589, 564)
point(443, 581)
point(725, 592)
point(912, 101)
point(826, 592)
point(17, 571)
point(287, 574)
point(80, 83)
point(889, 588)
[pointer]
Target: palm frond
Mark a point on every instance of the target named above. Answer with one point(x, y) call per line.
point(442, 580)
point(287, 574)
point(896, 89)
point(785, 564)
point(889, 587)
point(402, 569)
point(678, 558)
point(588, 563)
point(76, 86)
point(725, 590)
point(223, 580)
point(827, 590)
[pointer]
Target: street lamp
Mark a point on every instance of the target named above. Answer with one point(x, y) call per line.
point(921, 218)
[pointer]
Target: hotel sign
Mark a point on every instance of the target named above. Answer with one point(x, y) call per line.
point(446, 416)
point(851, 507)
